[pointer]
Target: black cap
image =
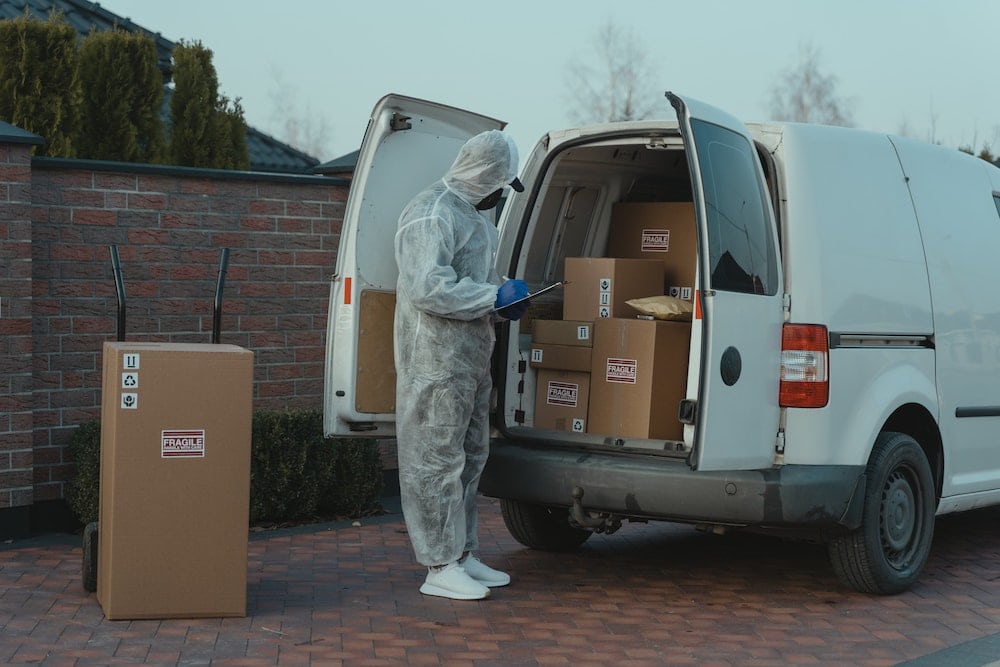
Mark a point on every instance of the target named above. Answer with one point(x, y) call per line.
point(517, 185)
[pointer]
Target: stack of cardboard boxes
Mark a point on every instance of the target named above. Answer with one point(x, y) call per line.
point(561, 350)
point(601, 370)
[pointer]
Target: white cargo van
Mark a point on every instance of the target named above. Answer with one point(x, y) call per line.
point(839, 377)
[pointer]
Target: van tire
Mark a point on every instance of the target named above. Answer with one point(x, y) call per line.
point(883, 557)
point(541, 527)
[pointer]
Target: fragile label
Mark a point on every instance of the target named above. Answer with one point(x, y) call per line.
point(655, 240)
point(622, 371)
point(563, 394)
point(185, 443)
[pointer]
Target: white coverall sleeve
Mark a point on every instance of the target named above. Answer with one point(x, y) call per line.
point(424, 255)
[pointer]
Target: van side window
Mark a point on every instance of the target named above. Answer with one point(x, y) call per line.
point(996, 200)
point(741, 247)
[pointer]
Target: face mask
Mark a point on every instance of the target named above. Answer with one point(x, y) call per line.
point(490, 200)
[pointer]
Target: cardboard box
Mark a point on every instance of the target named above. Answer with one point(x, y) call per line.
point(175, 480)
point(561, 357)
point(562, 332)
point(598, 287)
point(638, 378)
point(561, 400)
point(663, 230)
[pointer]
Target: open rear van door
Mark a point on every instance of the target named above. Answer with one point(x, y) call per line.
point(408, 145)
point(741, 294)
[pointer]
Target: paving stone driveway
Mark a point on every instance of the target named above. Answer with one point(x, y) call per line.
point(656, 594)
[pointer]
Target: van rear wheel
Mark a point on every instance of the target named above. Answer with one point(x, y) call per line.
point(886, 554)
point(541, 527)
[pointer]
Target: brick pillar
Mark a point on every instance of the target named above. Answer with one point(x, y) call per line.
point(16, 423)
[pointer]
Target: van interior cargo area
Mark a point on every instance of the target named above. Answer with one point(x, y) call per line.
point(616, 220)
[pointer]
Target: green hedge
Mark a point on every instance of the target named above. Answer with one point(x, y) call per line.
point(82, 492)
point(295, 473)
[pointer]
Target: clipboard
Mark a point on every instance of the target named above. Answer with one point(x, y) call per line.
point(532, 296)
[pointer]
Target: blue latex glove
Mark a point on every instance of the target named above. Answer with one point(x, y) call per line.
point(511, 291)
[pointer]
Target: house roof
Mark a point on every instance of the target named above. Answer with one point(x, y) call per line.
point(341, 166)
point(269, 154)
point(266, 152)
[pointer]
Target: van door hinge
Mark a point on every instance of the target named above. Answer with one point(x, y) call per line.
point(786, 302)
point(400, 122)
point(779, 443)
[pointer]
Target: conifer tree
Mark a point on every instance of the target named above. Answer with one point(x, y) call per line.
point(122, 97)
point(192, 106)
point(232, 137)
point(39, 84)
point(207, 130)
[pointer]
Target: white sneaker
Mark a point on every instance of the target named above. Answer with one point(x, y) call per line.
point(482, 573)
point(451, 581)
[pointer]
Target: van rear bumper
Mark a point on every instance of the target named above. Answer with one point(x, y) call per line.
point(657, 487)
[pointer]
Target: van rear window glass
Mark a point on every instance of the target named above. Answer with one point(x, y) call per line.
point(741, 247)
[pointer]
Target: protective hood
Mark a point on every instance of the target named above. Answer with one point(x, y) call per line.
point(487, 162)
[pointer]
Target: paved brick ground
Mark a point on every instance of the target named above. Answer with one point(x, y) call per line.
point(654, 594)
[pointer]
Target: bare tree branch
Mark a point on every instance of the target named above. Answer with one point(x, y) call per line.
point(297, 124)
point(613, 81)
point(805, 94)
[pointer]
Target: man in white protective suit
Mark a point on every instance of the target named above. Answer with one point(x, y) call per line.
point(448, 299)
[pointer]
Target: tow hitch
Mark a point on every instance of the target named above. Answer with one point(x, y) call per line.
point(603, 522)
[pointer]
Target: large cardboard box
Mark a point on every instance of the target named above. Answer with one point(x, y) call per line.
point(561, 400)
point(561, 357)
point(562, 332)
point(175, 480)
point(662, 230)
point(638, 378)
point(598, 287)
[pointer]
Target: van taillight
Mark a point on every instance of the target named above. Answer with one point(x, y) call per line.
point(805, 366)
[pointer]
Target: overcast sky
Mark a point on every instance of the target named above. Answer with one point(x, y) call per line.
point(923, 67)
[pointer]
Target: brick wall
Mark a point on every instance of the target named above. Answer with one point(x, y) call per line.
point(16, 419)
point(170, 226)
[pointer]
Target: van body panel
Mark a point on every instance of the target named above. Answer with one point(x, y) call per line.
point(852, 249)
point(409, 143)
point(961, 230)
point(868, 385)
point(813, 497)
point(969, 501)
point(742, 315)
